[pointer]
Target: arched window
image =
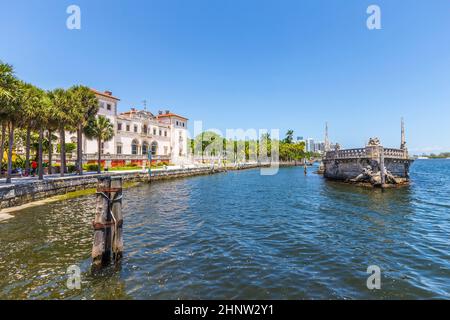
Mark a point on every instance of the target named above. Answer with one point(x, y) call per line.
point(145, 148)
point(154, 148)
point(134, 147)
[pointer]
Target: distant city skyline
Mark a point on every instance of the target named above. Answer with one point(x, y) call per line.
point(251, 64)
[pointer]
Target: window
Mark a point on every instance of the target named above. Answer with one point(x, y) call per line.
point(108, 106)
point(177, 123)
point(183, 124)
point(154, 148)
point(160, 132)
point(119, 126)
point(154, 131)
point(145, 148)
point(135, 128)
point(144, 129)
point(119, 149)
point(165, 133)
point(128, 127)
point(134, 147)
point(102, 105)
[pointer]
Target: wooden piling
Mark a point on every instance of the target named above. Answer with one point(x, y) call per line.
point(108, 222)
point(117, 246)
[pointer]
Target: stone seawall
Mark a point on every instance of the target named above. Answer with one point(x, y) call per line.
point(25, 192)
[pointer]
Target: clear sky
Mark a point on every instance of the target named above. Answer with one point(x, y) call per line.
point(287, 64)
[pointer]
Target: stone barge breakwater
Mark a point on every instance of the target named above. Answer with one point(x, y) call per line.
point(24, 192)
point(373, 165)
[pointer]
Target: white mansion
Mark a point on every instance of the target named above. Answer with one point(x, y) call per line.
point(137, 133)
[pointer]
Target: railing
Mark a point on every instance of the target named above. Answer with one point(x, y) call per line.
point(346, 154)
point(107, 157)
point(368, 152)
point(395, 153)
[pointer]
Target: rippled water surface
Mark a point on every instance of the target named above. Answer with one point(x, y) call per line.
point(242, 235)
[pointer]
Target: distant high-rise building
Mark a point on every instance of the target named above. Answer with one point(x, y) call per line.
point(319, 147)
point(310, 147)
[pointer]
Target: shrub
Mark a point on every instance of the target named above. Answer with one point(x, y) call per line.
point(91, 167)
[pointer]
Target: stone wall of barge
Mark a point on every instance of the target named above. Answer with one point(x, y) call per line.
point(346, 169)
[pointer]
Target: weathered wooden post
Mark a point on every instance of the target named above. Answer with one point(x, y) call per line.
point(108, 222)
point(116, 193)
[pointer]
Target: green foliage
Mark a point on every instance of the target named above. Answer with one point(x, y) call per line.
point(70, 147)
point(99, 128)
point(292, 151)
point(443, 155)
point(92, 167)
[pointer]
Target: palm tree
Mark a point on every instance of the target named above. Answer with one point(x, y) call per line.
point(10, 94)
point(289, 137)
point(37, 100)
point(29, 108)
point(48, 142)
point(2, 141)
point(60, 110)
point(102, 129)
point(85, 105)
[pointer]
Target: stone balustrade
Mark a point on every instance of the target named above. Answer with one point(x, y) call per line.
point(368, 152)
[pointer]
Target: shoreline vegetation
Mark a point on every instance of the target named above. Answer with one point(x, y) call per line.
point(443, 155)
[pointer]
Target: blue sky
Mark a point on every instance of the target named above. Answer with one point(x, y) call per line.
point(287, 64)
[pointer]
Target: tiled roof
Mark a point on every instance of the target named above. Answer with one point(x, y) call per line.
point(168, 115)
point(105, 94)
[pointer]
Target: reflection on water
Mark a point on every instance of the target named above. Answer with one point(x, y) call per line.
point(242, 235)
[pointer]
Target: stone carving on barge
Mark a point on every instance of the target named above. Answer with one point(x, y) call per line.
point(372, 165)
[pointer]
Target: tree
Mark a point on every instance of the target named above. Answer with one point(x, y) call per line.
point(62, 112)
point(10, 92)
point(102, 129)
point(85, 106)
point(40, 102)
point(6, 82)
point(208, 140)
point(30, 106)
point(289, 137)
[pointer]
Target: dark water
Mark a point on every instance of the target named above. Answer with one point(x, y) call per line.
point(242, 235)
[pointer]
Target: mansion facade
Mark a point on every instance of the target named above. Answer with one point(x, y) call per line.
point(138, 134)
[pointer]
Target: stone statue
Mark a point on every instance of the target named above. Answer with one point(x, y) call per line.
point(366, 175)
point(374, 142)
